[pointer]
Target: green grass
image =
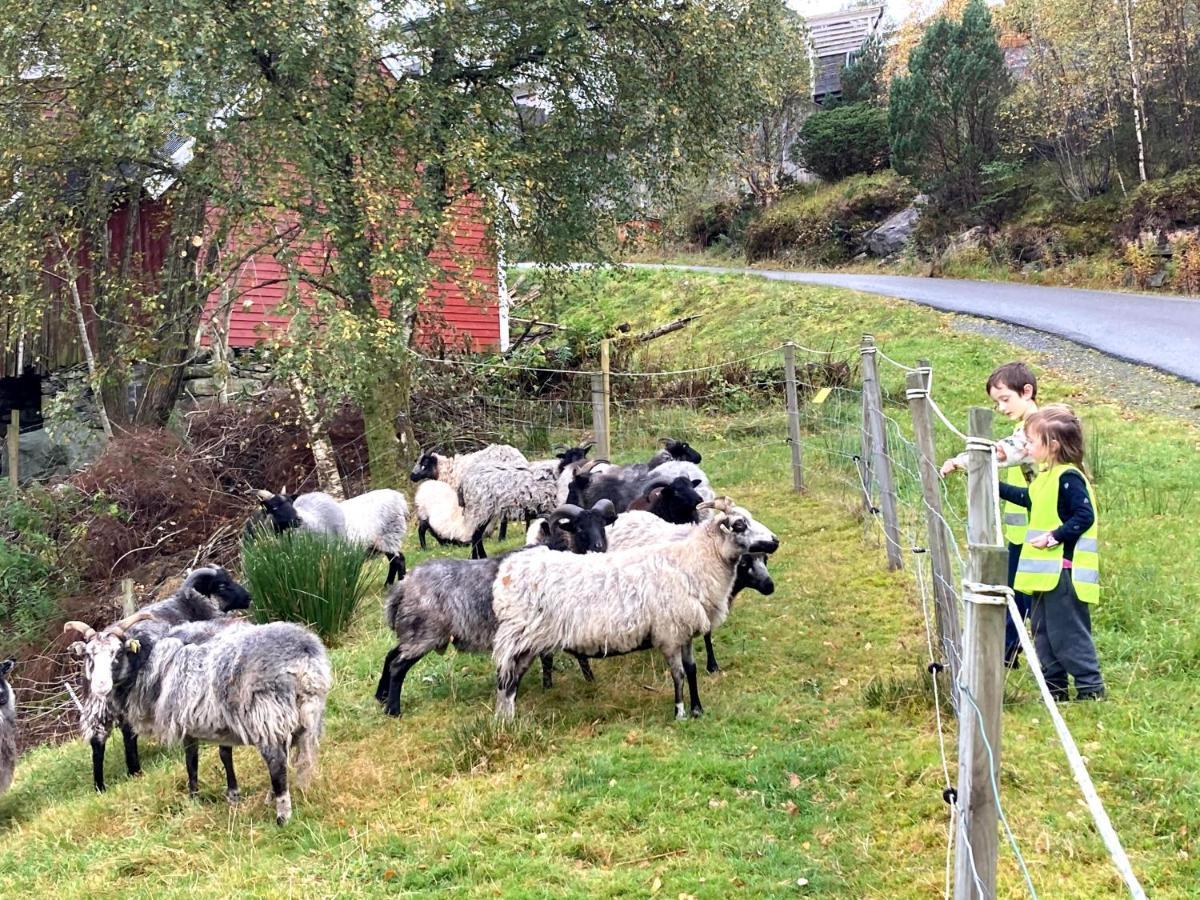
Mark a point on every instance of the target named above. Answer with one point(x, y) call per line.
point(815, 771)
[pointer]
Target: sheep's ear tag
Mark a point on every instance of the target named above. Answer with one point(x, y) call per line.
point(133, 645)
point(821, 396)
point(564, 522)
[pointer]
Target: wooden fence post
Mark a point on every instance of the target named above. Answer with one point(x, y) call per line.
point(14, 448)
point(865, 473)
point(882, 464)
point(980, 700)
point(605, 371)
point(128, 601)
point(600, 416)
point(793, 413)
point(945, 591)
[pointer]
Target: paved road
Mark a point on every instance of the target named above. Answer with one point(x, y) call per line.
point(1153, 330)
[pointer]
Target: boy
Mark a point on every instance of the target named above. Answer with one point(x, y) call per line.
point(1013, 388)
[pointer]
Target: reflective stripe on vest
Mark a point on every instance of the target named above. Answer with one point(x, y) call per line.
point(1040, 569)
point(1015, 518)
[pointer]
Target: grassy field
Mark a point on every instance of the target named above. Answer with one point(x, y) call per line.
point(815, 770)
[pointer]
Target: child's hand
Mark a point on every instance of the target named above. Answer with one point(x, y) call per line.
point(1042, 541)
point(949, 466)
point(1000, 453)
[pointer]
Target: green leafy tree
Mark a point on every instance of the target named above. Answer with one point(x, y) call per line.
point(845, 140)
point(942, 114)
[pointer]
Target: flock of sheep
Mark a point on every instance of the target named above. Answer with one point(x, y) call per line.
point(616, 559)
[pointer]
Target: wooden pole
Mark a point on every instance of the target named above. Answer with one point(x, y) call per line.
point(945, 591)
point(599, 416)
point(605, 371)
point(880, 461)
point(793, 412)
point(865, 473)
point(981, 696)
point(14, 448)
point(128, 603)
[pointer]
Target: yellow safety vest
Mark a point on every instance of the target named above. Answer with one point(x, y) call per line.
point(1016, 518)
point(1039, 569)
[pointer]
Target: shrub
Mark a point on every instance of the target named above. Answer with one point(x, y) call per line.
point(1164, 204)
point(305, 577)
point(724, 219)
point(825, 225)
point(845, 140)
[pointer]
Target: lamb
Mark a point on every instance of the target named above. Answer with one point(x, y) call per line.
point(674, 502)
point(661, 596)
point(8, 727)
point(207, 594)
point(641, 529)
point(233, 684)
point(449, 601)
point(376, 520)
point(625, 484)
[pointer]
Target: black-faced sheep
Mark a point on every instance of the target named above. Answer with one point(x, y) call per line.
point(376, 520)
point(674, 502)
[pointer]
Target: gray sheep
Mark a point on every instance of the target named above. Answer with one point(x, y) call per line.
point(8, 727)
point(449, 601)
point(231, 683)
point(207, 593)
point(659, 597)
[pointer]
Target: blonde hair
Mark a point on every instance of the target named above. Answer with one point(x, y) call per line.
point(1058, 424)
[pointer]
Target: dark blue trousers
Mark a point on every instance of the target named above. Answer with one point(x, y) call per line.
point(1012, 643)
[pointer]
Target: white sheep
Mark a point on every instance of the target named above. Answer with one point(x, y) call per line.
point(594, 605)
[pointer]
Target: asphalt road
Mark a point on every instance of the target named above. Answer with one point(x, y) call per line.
point(1152, 330)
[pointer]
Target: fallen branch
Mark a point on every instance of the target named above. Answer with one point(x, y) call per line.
point(644, 336)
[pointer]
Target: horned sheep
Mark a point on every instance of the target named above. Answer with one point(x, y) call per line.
point(8, 727)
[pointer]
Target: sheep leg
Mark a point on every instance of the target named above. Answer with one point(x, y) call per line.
point(508, 678)
point(133, 763)
point(547, 670)
point(98, 762)
point(232, 794)
point(395, 568)
point(191, 761)
point(385, 677)
point(584, 667)
point(422, 530)
point(711, 665)
point(399, 668)
point(504, 528)
point(477, 551)
point(689, 668)
point(276, 760)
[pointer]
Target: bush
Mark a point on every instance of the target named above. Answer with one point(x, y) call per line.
point(825, 225)
point(845, 140)
point(725, 219)
point(305, 577)
point(1164, 204)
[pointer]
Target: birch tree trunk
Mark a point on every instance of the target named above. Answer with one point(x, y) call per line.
point(1138, 114)
point(322, 450)
point(72, 280)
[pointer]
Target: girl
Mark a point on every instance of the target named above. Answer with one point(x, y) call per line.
point(1059, 564)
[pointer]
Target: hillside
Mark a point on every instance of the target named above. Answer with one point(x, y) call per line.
point(815, 770)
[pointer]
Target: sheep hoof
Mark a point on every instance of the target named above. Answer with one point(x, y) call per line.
point(233, 795)
point(697, 712)
point(394, 712)
point(679, 713)
point(283, 809)
point(713, 668)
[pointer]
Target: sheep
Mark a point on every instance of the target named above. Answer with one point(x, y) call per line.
point(625, 484)
point(660, 596)
point(672, 469)
point(233, 684)
point(491, 492)
point(8, 727)
point(449, 601)
point(376, 520)
point(451, 469)
point(641, 529)
point(673, 449)
point(437, 512)
point(207, 593)
point(674, 502)
point(572, 528)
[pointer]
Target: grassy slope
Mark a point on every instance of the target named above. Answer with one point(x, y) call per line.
point(791, 775)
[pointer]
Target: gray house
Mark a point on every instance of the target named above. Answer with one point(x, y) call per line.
point(836, 38)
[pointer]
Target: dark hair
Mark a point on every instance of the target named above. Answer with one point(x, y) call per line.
point(1014, 376)
point(1058, 422)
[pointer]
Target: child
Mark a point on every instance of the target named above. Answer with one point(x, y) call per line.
point(1013, 387)
point(1059, 566)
